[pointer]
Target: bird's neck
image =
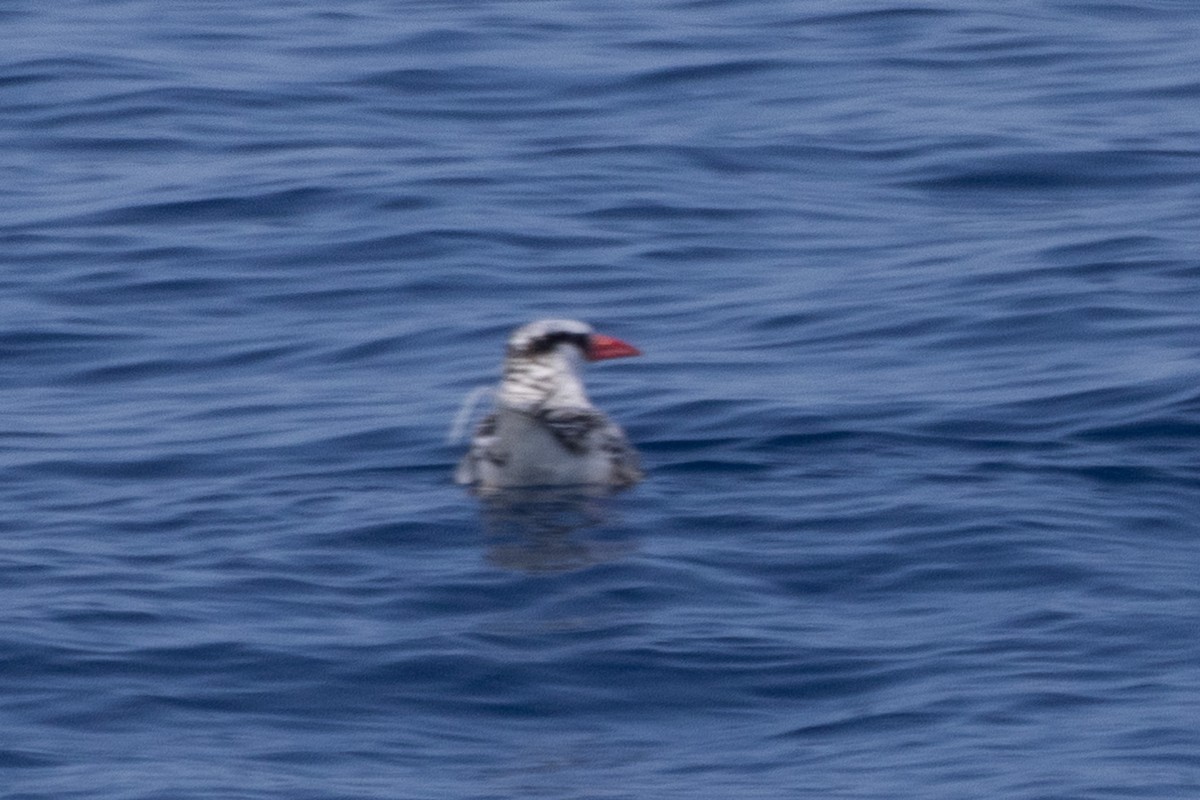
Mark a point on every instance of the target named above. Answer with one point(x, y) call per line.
point(552, 381)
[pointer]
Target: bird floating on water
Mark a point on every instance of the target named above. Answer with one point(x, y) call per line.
point(544, 430)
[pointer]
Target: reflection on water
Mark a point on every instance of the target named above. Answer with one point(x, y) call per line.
point(550, 530)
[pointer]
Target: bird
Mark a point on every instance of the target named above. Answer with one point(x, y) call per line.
point(544, 431)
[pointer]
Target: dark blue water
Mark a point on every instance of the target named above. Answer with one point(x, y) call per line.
point(918, 286)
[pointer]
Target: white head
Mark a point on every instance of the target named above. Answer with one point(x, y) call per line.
point(543, 361)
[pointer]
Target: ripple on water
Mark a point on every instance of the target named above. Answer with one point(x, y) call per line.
point(916, 292)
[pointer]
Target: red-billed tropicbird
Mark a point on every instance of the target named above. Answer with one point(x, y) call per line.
point(544, 430)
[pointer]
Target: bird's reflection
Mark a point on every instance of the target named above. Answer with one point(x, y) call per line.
point(550, 530)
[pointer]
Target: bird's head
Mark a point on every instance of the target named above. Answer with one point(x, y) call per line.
point(567, 337)
point(544, 357)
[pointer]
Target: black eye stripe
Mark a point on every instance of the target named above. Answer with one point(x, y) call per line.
point(544, 344)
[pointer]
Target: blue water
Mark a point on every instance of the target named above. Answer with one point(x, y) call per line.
point(918, 287)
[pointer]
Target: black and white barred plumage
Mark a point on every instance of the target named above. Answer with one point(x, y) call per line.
point(545, 431)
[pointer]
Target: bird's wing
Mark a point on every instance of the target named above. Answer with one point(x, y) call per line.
point(484, 449)
point(573, 427)
point(626, 467)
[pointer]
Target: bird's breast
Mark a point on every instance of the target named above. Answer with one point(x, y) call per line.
point(535, 456)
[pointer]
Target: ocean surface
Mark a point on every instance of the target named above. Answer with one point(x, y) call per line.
point(918, 288)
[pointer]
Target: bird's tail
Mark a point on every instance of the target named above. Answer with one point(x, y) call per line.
point(466, 411)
